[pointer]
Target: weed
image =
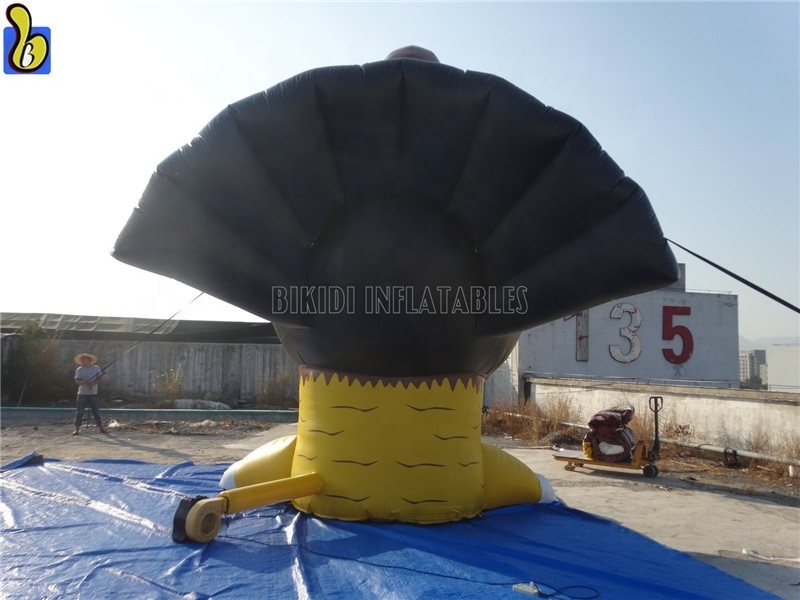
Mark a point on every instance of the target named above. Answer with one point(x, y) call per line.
point(530, 422)
point(280, 391)
point(33, 374)
point(168, 385)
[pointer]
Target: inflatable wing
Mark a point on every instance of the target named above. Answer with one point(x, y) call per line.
point(400, 223)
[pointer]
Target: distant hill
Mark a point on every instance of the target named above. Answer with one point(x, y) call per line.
point(764, 343)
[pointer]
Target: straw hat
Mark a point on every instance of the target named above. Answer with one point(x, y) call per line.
point(92, 357)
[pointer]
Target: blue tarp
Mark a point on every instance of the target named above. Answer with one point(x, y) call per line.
point(102, 529)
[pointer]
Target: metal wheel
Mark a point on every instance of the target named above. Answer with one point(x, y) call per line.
point(650, 471)
point(569, 467)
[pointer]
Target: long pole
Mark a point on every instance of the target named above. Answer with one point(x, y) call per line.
point(159, 326)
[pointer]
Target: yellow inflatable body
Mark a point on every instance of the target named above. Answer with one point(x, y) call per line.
point(392, 449)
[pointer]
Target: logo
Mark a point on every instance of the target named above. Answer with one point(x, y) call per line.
point(26, 49)
point(399, 299)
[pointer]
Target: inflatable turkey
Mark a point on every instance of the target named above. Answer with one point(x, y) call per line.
point(400, 223)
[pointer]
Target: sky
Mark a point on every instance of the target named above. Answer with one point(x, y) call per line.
point(699, 103)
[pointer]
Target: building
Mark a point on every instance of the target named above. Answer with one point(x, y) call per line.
point(751, 364)
point(667, 335)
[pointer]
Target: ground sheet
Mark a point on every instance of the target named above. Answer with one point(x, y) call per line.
point(102, 529)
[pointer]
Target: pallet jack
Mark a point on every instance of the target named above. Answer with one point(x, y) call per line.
point(642, 457)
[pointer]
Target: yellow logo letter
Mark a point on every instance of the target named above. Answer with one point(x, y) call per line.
point(28, 52)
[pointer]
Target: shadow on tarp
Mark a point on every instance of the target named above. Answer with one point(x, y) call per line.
point(102, 528)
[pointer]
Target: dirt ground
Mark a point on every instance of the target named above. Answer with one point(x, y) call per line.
point(209, 442)
point(204, 442)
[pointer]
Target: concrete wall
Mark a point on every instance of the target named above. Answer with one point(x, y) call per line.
point(743, 419)
point(254, 373)
point(502, 383)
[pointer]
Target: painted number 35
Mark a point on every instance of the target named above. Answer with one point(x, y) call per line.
point(669, 331)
